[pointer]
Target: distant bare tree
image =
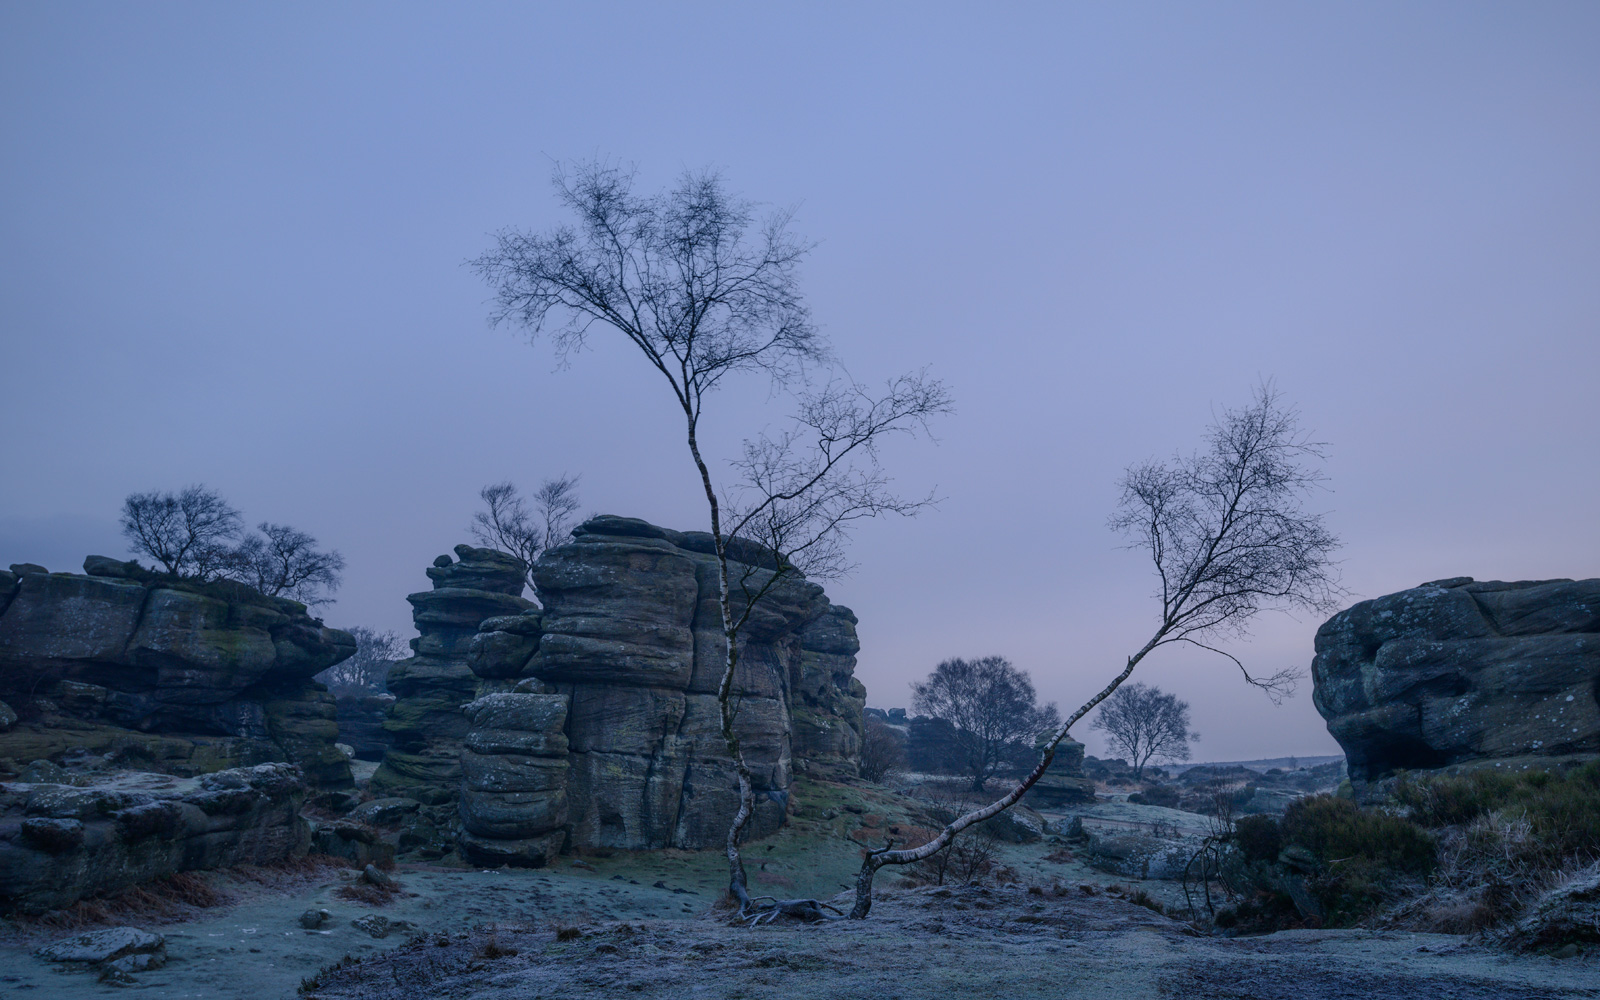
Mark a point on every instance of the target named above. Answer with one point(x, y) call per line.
point(284, 562)
point(1228, 535)
point(507, 524)
point(882, 749)
point(185, 532)
point(1145, 723)
point(705, 292)
point(366, 672)
point(992, 706)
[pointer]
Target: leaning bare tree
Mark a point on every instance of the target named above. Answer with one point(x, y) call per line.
point(1228, 534)
point(506, 522)
point(1146, 723)
point(705, 291)
point(281, 561)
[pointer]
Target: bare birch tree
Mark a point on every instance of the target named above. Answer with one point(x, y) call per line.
point(705, 291)
point(1228, 535)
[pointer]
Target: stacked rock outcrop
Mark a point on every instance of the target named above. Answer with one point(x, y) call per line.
point(615, 696)
point(61, 843)
point(514, 779)
point(426, 724)
point(1461, 672)
point(138, 669)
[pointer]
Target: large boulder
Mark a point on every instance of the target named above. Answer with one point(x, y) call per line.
point(1458, 672)
point(62, 843)
point(172, 675)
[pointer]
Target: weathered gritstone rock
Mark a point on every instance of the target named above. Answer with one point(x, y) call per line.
point(1064, 784)
point(1457, 672)
point(425, 724)
point(632, 636)
point(62, 843)
point(166, 675)
point(514, 779)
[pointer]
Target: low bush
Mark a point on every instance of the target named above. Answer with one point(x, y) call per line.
point(1561, 809)
point(1338, 831)
point(1259, 838)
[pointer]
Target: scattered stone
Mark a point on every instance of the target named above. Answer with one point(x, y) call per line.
point(43, 772)
point(586, 866)
point(8, 717)
point(380, 926)
point(385, 812)
point(373, 875)
point(1564, 917)
point(314, 918)
point(104, 945)
point(346, 749)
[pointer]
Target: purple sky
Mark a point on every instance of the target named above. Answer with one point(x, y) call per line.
point(231, 252)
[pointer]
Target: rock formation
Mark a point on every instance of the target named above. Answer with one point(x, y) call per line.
point(1064, 784)
point(132, 668)
point(514, 779)
point(426, 724)
point(61, 843)
point(593, 721)
point(1456, 672)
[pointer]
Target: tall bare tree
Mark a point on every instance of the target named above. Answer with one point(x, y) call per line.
point(186, 532)
point(705, 290)
point(883, 749)
point(1228, 535)
point(506, 522)
point(1146, 724)
point(992, 706)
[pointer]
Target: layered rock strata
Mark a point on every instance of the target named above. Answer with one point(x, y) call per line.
point(514, 779)
point(62, 843)
point(1458, 672)
point(141, 670)
point(426, 724)
point(615, 685)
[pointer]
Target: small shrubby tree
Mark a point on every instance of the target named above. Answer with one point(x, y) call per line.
point(186, 533)
point(195, 534)
point(882, 749)
point(284, 562)
point(1145, 723)
point(507, 523)
point(992, 708)
point(367, 672)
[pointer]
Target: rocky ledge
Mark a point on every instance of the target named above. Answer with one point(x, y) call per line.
point(1459, 672)
point(145, 671)
point(60, 843)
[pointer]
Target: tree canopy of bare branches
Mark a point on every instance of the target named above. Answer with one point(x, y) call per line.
point(992, 706)
point(284, 562)
point(506, 522)
point(1228, 533)
point(1145, 723)
point(707, 290)
point(366, 672)
point(185, 532)
point(882, 749)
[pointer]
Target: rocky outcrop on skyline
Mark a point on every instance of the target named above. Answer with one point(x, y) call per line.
point(426, 724)
point(131, 668)
point(1463, 672)
point(1064, 784)
point(60, 843)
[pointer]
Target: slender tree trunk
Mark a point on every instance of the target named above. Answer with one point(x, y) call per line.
point(738, 884)
point(887, 856)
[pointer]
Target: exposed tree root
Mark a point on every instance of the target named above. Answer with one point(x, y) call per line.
point(766, 909)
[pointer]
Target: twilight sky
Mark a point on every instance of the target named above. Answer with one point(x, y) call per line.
point(232, 236)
